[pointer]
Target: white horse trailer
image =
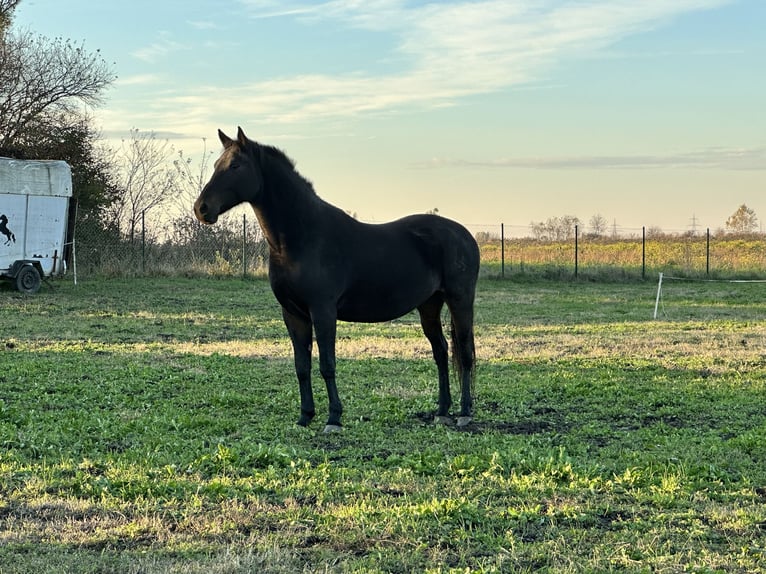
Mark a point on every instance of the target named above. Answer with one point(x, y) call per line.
point(34, 207)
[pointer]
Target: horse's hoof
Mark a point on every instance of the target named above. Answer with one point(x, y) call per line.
point(443, 420)
point(464, 421)
point(332, 428)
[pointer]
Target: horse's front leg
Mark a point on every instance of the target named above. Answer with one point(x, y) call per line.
point(299, 329)
point(325, 329)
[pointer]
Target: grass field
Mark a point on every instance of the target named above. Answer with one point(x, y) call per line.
point(148, 426)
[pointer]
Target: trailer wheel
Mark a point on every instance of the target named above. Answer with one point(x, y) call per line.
point(28, 279)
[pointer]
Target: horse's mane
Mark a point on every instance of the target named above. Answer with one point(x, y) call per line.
point(286, 162)
point(278, 154)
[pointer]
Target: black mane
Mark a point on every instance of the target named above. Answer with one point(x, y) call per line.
point(277, 153)
point(284, 161)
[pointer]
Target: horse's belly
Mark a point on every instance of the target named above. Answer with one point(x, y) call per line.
point(375, 305)
point(361, 315)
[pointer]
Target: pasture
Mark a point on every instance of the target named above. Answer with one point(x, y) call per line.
point(149, 426)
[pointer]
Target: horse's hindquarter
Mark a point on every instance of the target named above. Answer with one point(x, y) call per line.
point(395, 267)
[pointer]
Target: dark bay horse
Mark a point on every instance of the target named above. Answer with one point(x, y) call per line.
point(324, 266)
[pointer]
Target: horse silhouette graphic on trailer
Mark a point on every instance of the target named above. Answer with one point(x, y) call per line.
point(9, 235)
point(34, 206)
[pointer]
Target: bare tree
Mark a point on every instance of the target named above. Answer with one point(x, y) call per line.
point(6, 14)
point(191, 177)
point(42, 78)
point(598, 225)
point(555, 228)
point(743, 220)
point(146, 179)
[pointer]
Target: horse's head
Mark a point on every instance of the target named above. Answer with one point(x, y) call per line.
point(237, 178)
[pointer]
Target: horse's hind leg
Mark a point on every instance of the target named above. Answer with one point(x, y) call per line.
point(324, 320)
point(430, 320)
point(464, 354)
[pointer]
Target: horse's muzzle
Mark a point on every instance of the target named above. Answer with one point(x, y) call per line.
point(203, 213)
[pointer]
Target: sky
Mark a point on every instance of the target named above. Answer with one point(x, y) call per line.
point(646, 112)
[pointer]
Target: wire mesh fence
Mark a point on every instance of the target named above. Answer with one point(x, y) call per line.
point(237, 246)
point(183, 247)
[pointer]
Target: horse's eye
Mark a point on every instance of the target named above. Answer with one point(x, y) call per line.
point(234, 165)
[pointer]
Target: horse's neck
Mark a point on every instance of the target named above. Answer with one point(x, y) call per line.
point(268, 229)
point(287, 211)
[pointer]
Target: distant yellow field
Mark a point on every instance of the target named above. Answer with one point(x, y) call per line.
point(726, 255)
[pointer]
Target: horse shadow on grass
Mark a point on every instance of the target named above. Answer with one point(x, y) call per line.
point(544, 420)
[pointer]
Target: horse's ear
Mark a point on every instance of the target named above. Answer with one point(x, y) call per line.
point(241, 137)
point(225, 140)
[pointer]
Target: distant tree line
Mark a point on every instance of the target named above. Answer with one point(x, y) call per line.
point(743, 221)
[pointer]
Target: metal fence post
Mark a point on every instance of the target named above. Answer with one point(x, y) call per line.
point(707, 253)
point(244, 245)
point(502, 250)
point(643, 252)
point(143, 241)
point(576, 250)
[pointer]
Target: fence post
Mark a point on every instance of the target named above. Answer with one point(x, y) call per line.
point(244, 245)
point(576, 250)
point(143, 241)
point(502, 250)
point(707, 253)
point(643, 252)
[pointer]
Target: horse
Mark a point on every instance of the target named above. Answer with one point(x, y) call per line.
point(325, 266)
point(9, 236)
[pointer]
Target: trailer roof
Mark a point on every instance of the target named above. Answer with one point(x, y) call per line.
point(35, 177)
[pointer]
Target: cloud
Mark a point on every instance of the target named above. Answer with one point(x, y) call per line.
point(202, 24)
point(454, 49)
point(376, 14)
point(139, 79)
point(162, 47)
point(118, 135)
point(711, 158)
point(446, 51)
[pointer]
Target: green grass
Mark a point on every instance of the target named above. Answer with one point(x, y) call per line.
point(148, 426)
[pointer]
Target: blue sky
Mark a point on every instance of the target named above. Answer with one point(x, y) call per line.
point(648, 112)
